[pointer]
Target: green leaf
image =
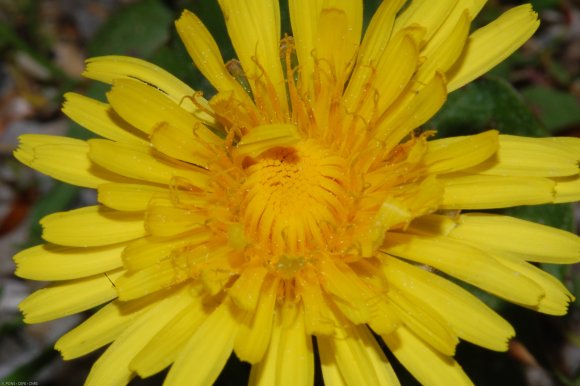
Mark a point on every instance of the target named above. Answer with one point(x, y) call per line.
point(137, 30)
point(540, 5)
point(556, 109)
point(489, 103)
point(12, 325)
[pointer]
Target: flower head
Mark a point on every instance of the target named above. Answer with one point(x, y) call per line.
point(299, 204)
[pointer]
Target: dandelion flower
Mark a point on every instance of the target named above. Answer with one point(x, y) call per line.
point(298, 212)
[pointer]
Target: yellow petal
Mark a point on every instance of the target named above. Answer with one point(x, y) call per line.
point(289, 360)
point(206, 351)
point(164, 219)
point(457, 153)
point(569, 144)
point(446, 46)
point(337, 40)
point(65, 159)
point(468, 316)
point(466, 263)
point(53, 262)
point(432, 224)
point(187, 147)
point(375, 42)
point(165, 346)
point(264, 373)
point(104, 326)
point(486, 192)
point(387, 80)
point(318, 319)
point(474, 7)
point(425, 322)
point(557, 297)
point(101, 119)
point(567, 189)
point(112, 368)
point(493, 43)
point(423, 197)
point(140, 163)
point(254, 335)
point(109, 68)
point(148, 251)
point(531, 157)
point(214, 264)
point(304, 15)
point(206, 55)
point(254, 29)
point(428, 366)
point(353, 9)
point(378, 32)
point(533, 242)
point(264, 137)
point(330, 370)
point(246, 290)
point(92, 226)
point(350, 294)
point(353, 357)
point(69, 297)
point(163, 275)
point(410, 111)
point(129, 197)
point(391, 213)
point(145, 107)
point(428, 14)
point(384, 319)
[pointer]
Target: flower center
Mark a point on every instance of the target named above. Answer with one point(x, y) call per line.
point(293, 198)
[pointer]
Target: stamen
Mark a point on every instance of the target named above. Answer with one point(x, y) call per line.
point(196, 99)
point(182, 193)
point(266, 97)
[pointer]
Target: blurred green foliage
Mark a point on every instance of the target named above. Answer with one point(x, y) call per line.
point(137, 30)
point(488, 103)
point(556, 109)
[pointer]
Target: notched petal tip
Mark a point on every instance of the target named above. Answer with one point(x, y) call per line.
point(493, 43)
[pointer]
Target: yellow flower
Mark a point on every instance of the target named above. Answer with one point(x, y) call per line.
point(299, 204)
